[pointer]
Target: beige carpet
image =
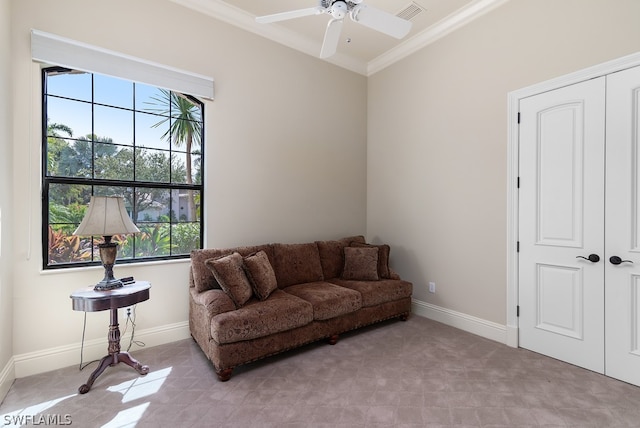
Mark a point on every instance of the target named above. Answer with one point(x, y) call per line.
point(418, 373)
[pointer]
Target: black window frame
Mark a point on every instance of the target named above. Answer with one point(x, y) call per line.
point(48, 180)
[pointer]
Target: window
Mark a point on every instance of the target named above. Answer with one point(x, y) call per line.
point(106, 136)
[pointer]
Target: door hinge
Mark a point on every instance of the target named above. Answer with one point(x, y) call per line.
point(518, 117)
point(518, 311)
point(518, 182)
point(517, 246)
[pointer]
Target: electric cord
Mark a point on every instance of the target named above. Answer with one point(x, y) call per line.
point(131, 340)
point(133, 328)
point(84, 329)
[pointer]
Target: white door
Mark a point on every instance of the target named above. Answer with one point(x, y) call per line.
point(622, 239)
point(561, 205)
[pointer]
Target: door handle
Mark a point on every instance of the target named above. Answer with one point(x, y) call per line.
point(593, 258)
point(615, 260)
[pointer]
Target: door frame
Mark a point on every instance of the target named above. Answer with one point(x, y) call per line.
point(513, 157)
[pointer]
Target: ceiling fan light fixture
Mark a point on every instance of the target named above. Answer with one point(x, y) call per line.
point(339, 10)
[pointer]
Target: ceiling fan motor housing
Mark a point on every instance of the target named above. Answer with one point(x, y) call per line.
point(327, 3)
point(339, 9)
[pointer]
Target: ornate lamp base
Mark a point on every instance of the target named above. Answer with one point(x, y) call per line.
point(108, 285)
point(108, 252)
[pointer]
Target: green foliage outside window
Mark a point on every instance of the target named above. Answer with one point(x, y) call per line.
point(153, 160)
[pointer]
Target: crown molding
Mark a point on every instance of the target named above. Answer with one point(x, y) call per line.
point(240, 18)
point(440, 29)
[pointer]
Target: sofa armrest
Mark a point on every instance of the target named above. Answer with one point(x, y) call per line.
point(215, 301)
point(393, 274)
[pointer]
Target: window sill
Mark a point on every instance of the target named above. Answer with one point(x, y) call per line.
point(100, 268)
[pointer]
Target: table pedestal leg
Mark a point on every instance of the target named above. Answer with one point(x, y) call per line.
point(114, 357)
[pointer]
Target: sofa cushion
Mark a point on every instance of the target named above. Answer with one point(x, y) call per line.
point(360, 263)
point(280, 312)
point(229, 273)
point(328, 300)
point(203, 278)
point(332, 255)
point(383, 257)
point(376, 292)
point(260, 274)
point(296, 264)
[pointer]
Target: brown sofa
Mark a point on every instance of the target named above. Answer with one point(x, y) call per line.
point(298, 294)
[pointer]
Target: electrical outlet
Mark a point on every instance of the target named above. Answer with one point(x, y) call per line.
point(432, 287)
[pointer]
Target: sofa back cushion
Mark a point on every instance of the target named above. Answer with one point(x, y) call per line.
point(332, 255)
point(203, 278)
point(296, 264)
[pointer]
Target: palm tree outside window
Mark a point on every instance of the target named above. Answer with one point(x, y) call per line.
point(111, 137)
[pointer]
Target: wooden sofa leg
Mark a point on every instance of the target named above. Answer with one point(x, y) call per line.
point(224, 375)
point(333, 339)
point(404, 317)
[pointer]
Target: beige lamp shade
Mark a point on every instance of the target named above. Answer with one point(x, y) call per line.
point(106, 216)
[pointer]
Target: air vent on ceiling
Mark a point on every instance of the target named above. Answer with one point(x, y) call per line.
point(411, 11)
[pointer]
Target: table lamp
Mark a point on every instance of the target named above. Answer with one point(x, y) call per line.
point(106, 216)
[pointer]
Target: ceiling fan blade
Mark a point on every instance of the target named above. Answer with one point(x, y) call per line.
point(331, 38)
point(381, 21)
point(283, 16)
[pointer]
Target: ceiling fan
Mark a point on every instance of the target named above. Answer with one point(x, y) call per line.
point(368, 16)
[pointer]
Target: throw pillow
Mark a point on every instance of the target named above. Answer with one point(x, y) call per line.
point(360, 263)
point(260, 274)
point(229, 273)
point(383, 258)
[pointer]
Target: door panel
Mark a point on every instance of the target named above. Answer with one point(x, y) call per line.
point(560, 295)
point(559, 171)
point(562, 218)
point(622, 298)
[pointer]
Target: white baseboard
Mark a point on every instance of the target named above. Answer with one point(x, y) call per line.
point(479, 326)
point(64, 356)
point(7, 376)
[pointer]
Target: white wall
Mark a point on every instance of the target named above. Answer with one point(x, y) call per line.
point(437, 166)
point(285, 147)
point(6, 285)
